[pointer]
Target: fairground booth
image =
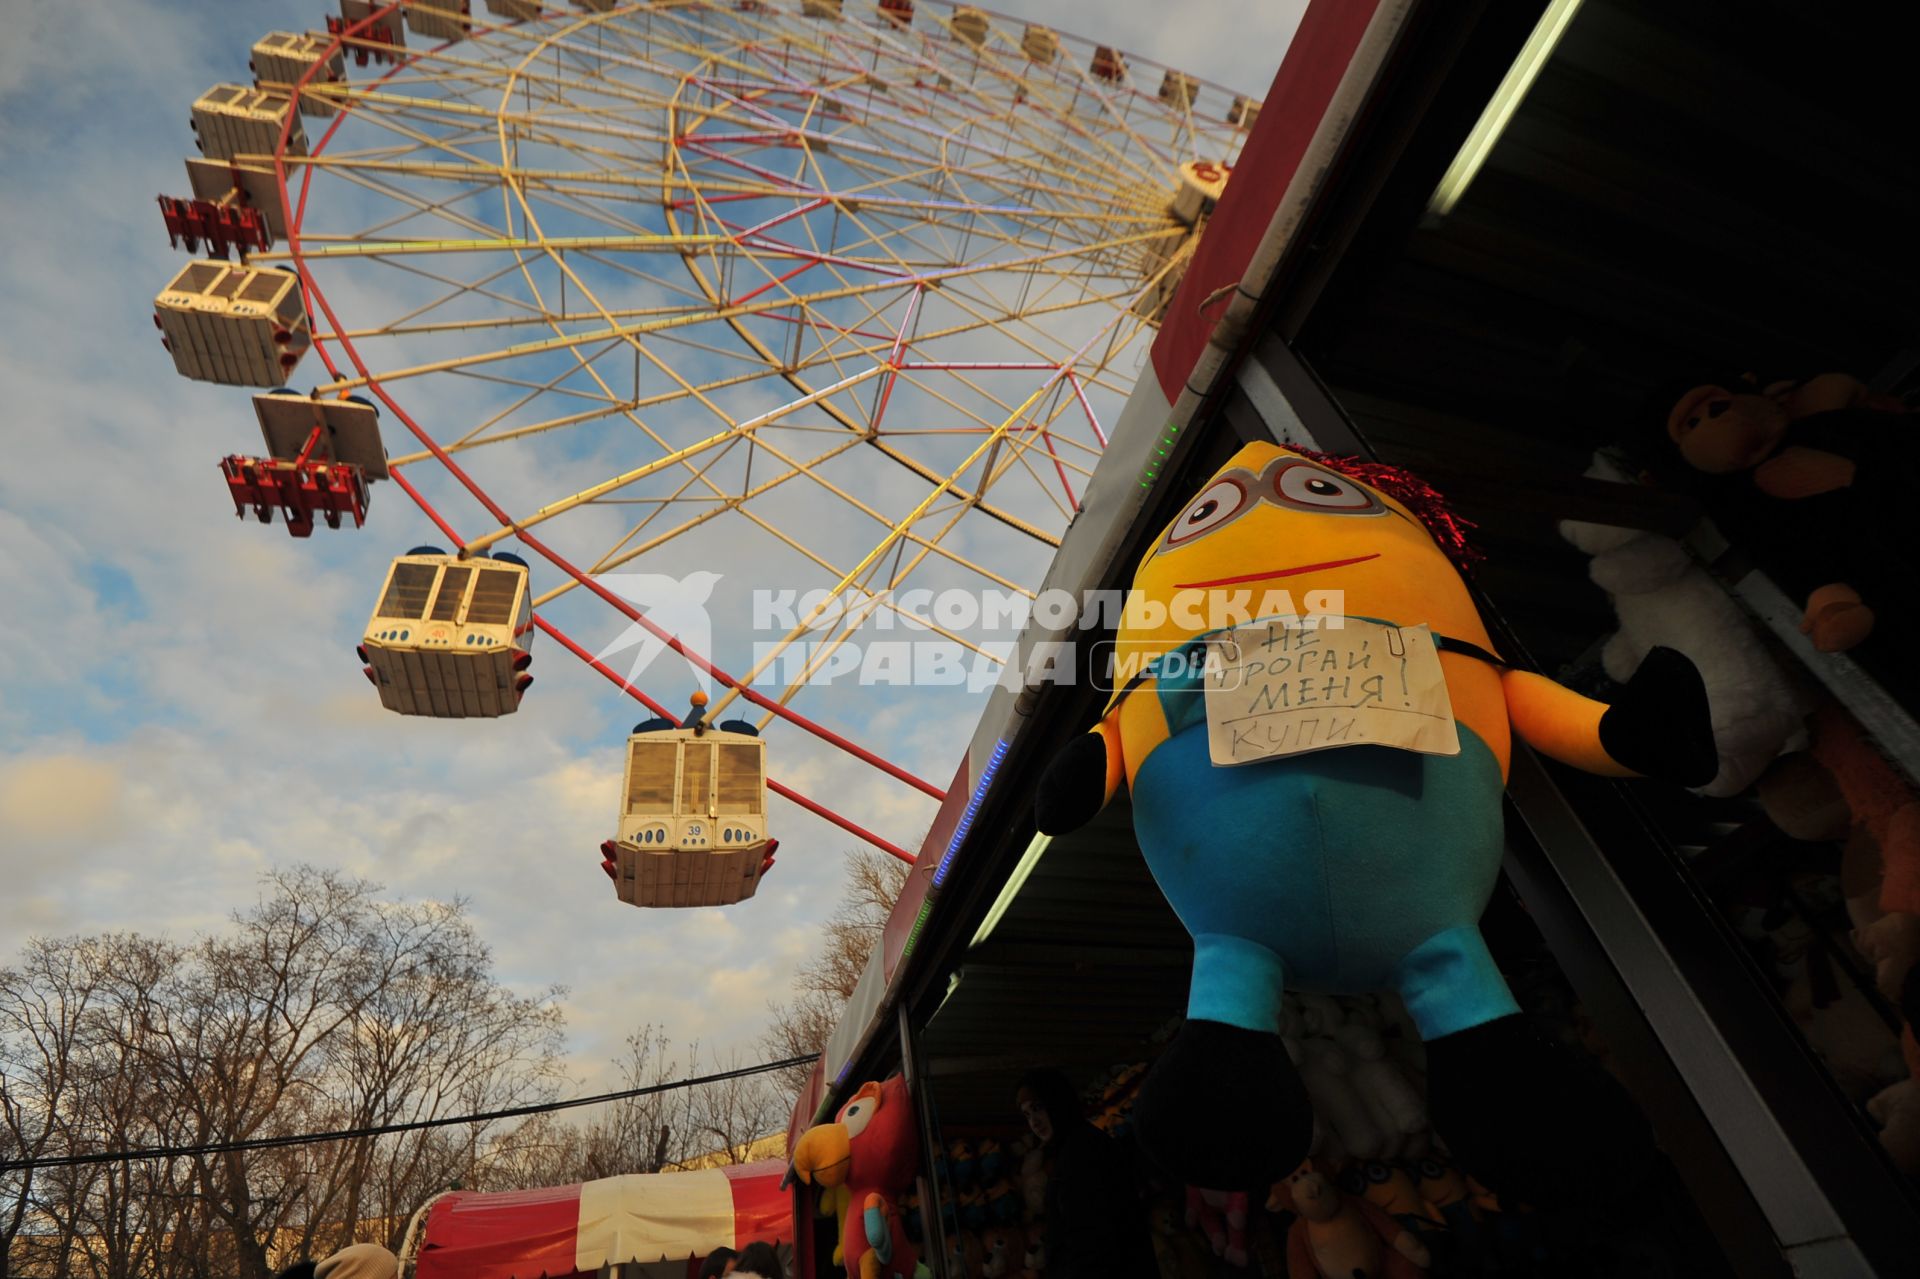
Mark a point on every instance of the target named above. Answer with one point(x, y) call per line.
point(1525, 251)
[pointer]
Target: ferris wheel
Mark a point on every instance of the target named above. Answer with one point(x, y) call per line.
point(828, 297)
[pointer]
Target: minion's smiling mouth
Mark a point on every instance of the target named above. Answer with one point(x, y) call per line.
point(1279, 572)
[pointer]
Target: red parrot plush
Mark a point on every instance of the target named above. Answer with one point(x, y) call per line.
point(872, 1148)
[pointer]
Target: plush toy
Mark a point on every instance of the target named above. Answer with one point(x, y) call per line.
point(1357, 867)
point(1115, 1104)
point(1451, 1194)
point(1663, 598)
point(1220, 1215)
point(1003, 1205)
point(1002, 1251)
point(973, 1208)
point(1036, 1258)
point(833, 1201)
point(1343, 1126)
point(1843, 788)
point(1363, 1100)
point(1838, 1021)
point(993, 1160)
point(1338, 1237)
point(1033, 1181)
point(1892, 945)
point(910, 1219)
point(1897, 1111)
point(965, 1257)
point(1826, 467)
point(949, 1208)
point(1389, 1187)
point(872, 1148)
point(1174, 1247)
point(966, 1168)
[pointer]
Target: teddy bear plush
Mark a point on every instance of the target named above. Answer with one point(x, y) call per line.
point(1843, 789)
point(1897, 1111)
point(1819, 475)
point(1892, 945)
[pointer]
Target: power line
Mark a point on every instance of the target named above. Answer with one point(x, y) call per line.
point(344, 1134)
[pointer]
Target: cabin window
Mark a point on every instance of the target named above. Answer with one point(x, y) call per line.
point(261, 288)
point(493, 594)
point(198, 276)
point(739, 781)
point(650, 768)
point(696, 775)
point(453, 585)
point(407, 590)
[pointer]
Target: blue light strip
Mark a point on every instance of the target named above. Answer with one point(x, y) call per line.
point(973, 806)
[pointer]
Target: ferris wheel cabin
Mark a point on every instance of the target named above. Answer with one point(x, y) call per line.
point(514, 10)
point(280, 58)
point(440, 19)
point(970, 25)
point(379, 38)
point(321, 454)
point(450, 637)
point(692, 814)
point(240, 325)
point(1040, 44)
point(232, 120)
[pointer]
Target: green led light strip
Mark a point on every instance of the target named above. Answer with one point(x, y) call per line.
point(1152, 471)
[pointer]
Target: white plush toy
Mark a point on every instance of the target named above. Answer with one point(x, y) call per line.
point(1662, 597)
point(1364, 1105)
point(1396, 1105)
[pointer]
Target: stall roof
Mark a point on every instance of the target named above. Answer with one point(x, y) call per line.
point(559, 1231)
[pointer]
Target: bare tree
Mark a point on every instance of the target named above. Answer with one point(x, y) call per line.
point(43, 1001)
point(801, 1026)
point(321, 1009)
point(731, 1113)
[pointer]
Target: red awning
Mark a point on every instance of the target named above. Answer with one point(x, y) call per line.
point(651, 1219)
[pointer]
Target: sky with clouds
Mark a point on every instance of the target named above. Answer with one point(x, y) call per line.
point(180, 708)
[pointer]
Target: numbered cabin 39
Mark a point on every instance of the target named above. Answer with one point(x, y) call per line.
point(451, 637)
point(692, 815)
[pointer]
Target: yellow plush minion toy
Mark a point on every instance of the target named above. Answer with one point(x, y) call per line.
point(1352, 866)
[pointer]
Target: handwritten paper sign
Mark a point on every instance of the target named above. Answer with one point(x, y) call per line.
point(1287, 687)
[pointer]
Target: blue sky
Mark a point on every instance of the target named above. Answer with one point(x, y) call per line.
point(179, 704)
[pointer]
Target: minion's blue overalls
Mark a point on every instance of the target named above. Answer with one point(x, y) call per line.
point(1298, 871)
